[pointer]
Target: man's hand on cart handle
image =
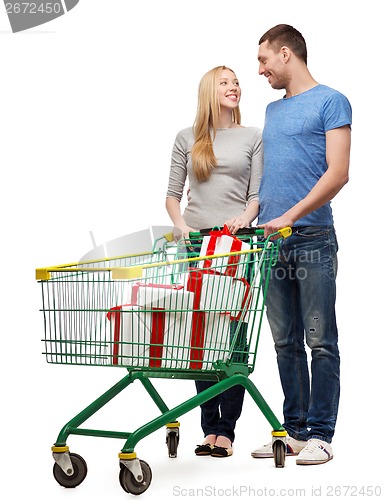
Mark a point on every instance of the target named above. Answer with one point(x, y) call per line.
point(276, 226)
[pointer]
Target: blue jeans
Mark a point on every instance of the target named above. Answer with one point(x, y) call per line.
point(301, 307)
point(219, 415)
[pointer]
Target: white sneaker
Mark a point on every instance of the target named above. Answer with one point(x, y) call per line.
point(316, 452)
point(293, 447)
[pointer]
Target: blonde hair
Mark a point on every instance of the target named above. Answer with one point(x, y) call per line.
point(206, 123)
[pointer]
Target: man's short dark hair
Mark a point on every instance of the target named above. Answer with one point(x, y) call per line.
point(285, 35)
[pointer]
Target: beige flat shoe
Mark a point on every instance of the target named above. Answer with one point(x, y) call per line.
point(221, 452)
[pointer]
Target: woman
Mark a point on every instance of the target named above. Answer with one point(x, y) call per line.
point(223, 162)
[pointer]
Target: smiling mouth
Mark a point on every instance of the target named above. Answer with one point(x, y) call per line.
point(232, 97)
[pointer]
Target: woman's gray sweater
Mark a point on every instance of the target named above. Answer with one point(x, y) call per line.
point(233, 183)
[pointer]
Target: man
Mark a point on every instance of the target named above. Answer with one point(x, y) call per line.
point(307, 138)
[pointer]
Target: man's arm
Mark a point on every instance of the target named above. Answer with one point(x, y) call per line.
point(338, 143)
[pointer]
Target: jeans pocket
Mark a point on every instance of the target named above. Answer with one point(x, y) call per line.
point(311, 232)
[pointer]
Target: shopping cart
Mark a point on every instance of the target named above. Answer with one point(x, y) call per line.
point(178, 312)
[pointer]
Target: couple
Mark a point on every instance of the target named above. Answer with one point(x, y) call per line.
point(286, 176)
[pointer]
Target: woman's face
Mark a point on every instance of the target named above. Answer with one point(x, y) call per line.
point(229, 91)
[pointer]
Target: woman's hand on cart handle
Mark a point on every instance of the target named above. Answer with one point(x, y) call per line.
point(238, 223)
point(183, 233)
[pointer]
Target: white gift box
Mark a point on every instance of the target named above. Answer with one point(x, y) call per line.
point(222, 242)
point(158, 339)
point(212, 291)
point(211, 341)
point(171, 297)
point(241, 298)
point(192, 332)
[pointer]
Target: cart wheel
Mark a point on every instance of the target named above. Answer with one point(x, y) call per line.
point(279, 449)
point(130, 484)
point(79, 472)
point(172, 442)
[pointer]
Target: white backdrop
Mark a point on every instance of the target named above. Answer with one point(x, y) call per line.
point(90, 107)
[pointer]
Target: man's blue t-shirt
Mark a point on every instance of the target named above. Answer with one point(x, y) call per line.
point(295, 151)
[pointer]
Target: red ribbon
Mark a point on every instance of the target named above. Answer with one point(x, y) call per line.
point(198, 320)
point(157, 338)
point(116, 311)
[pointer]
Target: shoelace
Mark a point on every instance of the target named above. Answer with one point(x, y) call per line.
point(313, 445)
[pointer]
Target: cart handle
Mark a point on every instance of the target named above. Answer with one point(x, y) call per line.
point(121, 272)
point(136, 271)
point(284, 232)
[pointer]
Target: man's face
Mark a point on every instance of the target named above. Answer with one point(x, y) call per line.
point(272, 66)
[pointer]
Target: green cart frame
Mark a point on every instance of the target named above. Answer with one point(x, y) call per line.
point(170, 313)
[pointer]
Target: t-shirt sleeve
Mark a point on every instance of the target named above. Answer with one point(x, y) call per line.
point(178, 171)
point(337, 112)
point(256, 168)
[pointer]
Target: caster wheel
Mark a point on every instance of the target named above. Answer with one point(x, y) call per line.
point(130, 484)
point(279, 449)
point(79, 472)
point(172, 442)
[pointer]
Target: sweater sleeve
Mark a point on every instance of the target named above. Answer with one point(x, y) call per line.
point(256, 168)
point(178, 170)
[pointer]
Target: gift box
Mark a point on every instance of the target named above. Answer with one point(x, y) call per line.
point(223, 242)
point(210, 335)
point(210, 340)
point(190, 330)
point(212, 290)
point(153, 295)
point(156, 338)
point(241, 298)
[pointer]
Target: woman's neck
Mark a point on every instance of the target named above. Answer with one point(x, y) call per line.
point(226, 119)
